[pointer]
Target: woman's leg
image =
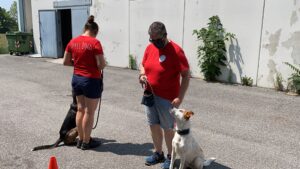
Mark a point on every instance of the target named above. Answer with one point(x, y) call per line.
point(80, 114)
point(88, 118)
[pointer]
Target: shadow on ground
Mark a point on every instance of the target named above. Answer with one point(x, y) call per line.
point(125, 148)
point(213, 165)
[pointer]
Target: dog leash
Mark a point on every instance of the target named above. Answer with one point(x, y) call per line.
point(99, 106)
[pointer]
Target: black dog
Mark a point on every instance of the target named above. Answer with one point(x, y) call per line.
point(68, 131)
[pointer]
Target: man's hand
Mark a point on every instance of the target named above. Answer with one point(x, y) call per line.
point(176, 102)
point(143, 80)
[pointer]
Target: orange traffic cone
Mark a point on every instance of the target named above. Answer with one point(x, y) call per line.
point(52, 163)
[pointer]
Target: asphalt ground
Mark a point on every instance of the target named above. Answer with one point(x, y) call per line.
point(243, 127)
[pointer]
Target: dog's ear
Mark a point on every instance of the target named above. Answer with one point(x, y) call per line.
point(188, 114)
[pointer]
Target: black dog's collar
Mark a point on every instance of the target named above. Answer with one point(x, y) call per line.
point(183, 132)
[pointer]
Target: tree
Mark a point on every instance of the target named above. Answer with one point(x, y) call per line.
point(13, 11)
point(7, 23)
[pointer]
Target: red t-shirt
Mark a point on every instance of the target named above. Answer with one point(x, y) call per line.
point(163, 68)
point(83, 50)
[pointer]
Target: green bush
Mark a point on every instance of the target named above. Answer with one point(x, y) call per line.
point(132, 62)
point(212, 54)
point(294, 80)
point(247, 81)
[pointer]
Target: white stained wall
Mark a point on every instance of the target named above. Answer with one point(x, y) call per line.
point(36, 6)
point(242, 53)
point(112, 17)
point(124, 30)
point(145, 12)
point(280, 41)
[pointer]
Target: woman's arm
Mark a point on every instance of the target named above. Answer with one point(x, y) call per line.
point(68, 59)
point(100, 62)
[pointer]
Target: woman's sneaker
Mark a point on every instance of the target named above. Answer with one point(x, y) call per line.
point(92, 144)
point(155, 158)
point(79, 143)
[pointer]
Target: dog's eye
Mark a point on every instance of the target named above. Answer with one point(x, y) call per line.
point(181, 111)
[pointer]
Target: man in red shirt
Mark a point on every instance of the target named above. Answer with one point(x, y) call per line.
point(163, 64)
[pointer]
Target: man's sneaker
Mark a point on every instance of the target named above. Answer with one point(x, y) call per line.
point(155, 158)
point(92, 144)
point(79, 143)
point(166, 164)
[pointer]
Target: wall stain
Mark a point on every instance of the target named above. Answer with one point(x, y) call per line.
point(98, 5)
point(272, 71)
point(294, 18)
point(294, 43)
point(273, 42)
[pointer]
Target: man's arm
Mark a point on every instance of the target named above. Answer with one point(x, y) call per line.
point(142, 76)
point(185, 80)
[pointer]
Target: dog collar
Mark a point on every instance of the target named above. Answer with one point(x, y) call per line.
point(183, 132)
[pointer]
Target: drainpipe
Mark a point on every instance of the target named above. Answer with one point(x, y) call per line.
point(260, 40)
point(20, 9)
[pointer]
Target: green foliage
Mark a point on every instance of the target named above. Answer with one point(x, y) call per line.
point(7, 23)
point(132, 62)
point(212, 54)
point(3, 44)
point(278, 82)
point(294, 80)
point(13, 11)
point(247, 81)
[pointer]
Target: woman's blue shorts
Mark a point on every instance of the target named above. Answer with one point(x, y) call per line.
point(89, 87)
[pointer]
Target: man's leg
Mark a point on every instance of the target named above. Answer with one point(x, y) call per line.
point(157, 137)
point(169, 134)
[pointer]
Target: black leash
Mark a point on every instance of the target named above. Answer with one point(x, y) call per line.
point(99, 107)
point(98, 114)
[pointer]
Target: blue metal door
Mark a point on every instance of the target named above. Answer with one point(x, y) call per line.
point(48, 33)
point(79, 17)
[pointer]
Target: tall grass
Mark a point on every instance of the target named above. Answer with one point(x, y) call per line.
point(3, 44)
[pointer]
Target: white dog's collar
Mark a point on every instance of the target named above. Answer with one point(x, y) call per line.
point(183, 132)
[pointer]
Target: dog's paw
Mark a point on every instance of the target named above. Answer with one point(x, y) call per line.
point(209, 161)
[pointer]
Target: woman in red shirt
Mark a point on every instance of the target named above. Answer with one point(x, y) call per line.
point(86, 54)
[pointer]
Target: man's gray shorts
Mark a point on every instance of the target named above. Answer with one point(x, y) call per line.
point(160, 114)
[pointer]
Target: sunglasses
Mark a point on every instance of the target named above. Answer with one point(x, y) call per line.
point(157, 40)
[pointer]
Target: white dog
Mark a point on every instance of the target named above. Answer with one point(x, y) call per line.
point(184, 145)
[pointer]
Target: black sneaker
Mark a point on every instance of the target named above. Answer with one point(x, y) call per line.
point(79, 143)
point(92, 144)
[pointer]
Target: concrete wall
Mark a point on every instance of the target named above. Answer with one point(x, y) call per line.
point(144, 12)
point(37, 5)
point(280, 40)
point(264, 37)
point(28, 16)
point(112, 17)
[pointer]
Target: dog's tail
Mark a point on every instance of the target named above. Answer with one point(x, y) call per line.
point(209, 161)
point(47, 146)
